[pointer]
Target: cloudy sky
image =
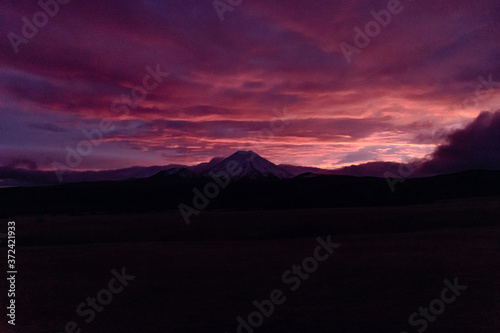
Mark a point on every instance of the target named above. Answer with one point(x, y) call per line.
point(326, 83)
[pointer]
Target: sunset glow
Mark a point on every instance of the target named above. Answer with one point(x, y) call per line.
point(271, 77)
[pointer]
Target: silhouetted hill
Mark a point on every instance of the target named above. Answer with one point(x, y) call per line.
point(176, 173)
point(166, 191)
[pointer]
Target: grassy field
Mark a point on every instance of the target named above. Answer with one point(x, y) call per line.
point(201, 277)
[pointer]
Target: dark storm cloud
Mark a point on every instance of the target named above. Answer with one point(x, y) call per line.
point(473, 147)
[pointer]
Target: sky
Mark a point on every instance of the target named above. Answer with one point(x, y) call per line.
point(323, 83)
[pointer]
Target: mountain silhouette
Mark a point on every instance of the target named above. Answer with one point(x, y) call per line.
point(249, 165)
point(176, 172)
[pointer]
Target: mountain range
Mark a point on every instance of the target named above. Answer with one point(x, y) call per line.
point(255, 166)
point(244, 165)
point(245, 180)
point(249, 165)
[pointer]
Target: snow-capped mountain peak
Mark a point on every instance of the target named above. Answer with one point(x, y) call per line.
point(249, 165)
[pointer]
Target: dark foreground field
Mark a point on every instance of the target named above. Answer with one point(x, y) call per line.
point(201, 277)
